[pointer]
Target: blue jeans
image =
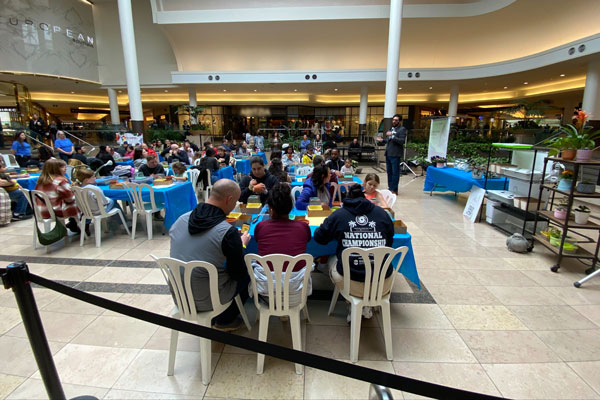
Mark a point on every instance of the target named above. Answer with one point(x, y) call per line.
point(22, 203)
point(393, 172)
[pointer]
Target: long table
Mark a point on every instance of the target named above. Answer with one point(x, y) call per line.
point(454, 180)
point(29, 183)
point(408, 267)
point(178, 198)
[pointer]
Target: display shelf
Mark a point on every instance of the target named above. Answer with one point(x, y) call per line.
point(590, 162)
point(575, 194)
point(580, 253)
point(516, 212)
point(571, 223)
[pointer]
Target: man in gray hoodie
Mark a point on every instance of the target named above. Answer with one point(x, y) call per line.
point(204, 235)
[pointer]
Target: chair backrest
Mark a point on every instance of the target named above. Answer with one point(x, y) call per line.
point(278, 281)
point(296, 192)
point(10, 160)
point(85, 199)
point(390, 198)
point(337, 195)
point(377, 261)
point(42, 197)
point(134, 191)
point(178, 275)
point(204, 176)
point(197, 161)
point(193, 175)
point(304, 171)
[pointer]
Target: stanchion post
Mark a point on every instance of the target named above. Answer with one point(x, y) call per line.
point(378, 392)
point(16, 276)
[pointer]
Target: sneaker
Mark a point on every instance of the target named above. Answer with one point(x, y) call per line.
point(232, 326)
point(20, 217)
point(159, 217)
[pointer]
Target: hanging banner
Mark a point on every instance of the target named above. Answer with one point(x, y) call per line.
point(438, 137)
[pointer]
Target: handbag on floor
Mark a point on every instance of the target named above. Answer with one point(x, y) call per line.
point(54, 235)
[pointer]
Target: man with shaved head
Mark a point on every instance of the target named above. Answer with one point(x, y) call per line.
point(204, 235)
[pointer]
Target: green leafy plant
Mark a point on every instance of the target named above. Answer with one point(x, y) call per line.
point(563, 203)
point(582, 208)
point(578, 136)
point(162, 134)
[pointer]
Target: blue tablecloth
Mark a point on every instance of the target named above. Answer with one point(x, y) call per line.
point(408, 268)
point(264, 157)
point(129, 163)
point(178, 199)
point(29, 183)
point(225, 173)
point(454, 180)
point(242, 165)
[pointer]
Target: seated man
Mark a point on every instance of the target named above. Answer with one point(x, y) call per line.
point(259, 182)
point(177, 155)
point(336, 163)
point(79, 155)
point(152, 167)
point(14, 192)
point(204, 235)
point(354, 150)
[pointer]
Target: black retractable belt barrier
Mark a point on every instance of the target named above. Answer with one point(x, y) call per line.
point(284, 353)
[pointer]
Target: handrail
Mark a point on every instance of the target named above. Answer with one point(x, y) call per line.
point(81, 140)
point(37, 141)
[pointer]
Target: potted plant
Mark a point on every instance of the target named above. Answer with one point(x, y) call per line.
point(560, 211)
point(566, 180)
point(586, 186)
point(439, 161)
point(477, 172)
point(582, 213)
point(577, 139)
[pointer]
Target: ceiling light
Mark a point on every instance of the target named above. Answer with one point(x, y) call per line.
point(430, 87)
point(525, 83)
point(295, 90)
point(166, 91)
point(562, 75)
point(224, 90)
point(72, 92)
point(120, 91)
point(399, 88)
point(505, 87)
point(336, 89)
point(255, 90)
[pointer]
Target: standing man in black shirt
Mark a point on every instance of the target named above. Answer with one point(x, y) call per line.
point(394, 151)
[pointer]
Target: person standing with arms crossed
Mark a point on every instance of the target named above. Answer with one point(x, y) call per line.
point(394, 151)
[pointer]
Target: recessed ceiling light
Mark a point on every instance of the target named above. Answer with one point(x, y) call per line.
point(224, 90)
point(505, 87)
point(72, 92)
point(255, 90)
point(399, 88)
point(336, 89)
point(562, 74)
point(120, 91)
point(295, 90)
point(525, 83)
point(166, 91)
point(430, 87)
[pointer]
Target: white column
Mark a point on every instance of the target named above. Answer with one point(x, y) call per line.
point(453, 106)
point(193, 101)
point(131, 65)
point(393, 58)
point(591, 93)
point(114, 107)
point(364, 100)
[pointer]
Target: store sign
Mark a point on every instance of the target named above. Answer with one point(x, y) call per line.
point(54, 37)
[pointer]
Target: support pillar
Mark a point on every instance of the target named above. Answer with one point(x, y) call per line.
point(114, 107)
point(131, 66)
point(193, 103)
point(393, 59)
point(591, 93)
point(453, 105)
point(362, 116)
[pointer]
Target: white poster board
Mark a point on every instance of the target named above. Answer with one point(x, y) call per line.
point(130, 138)
point(438, 137)
point(474, 203)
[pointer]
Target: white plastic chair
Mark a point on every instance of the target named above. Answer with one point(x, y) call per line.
point(296, 190)
point(206, 189)
point(197, 161)
point(178, 274)
point(193, 175)
point(10, 161)
point(389, 197)
point(373, 295)
point(38, 214)
point(304, 171)
point(69, 172)
point(134, 191)
point(338, 191)
point(84, 198)
point(278, 283)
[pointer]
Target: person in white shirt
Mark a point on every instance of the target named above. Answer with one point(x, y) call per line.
point(347, 169)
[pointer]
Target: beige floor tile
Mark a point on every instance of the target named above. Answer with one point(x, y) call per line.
point(143, 254)
point(324, 385)
point(466, 251)
point(462, 294)
point(119, 275)
point(430, 251)
point(161, 340)
point(334, 342)
point(538, 381)
point(549, 279)
point(592, 312)
point(8, 383)
point(42, 297)
point(447, 277)
point(422, 316)
point(519, 296)
point(155, 277)
point(401, 285)
point(16, 357)
point(34, 389)
point(70, 272)
point(483, 263)
point(59, 327)
point(571, 345)
point(502, 278)
point(154, 244)
point(540, 318)
point(91, 365)
point(157, 303)
point(149, 372)
point(116, 332)
point(9, 318)
point(426, 345)
point(117, 394)
point(491, 347)
point(531, 263)
point(482, 317)
point(73, 306)
point(577, 296)
point(103, 252)
point(428, 262)
point(470, 377)
point(124, 242)
point(588, 370)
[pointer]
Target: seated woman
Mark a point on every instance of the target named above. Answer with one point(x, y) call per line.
point(223, 155)
point(308, 156)
point(316, 186)
point(179, 172)
point(289, 157)
point(371, 193)
point(55, 184)
point(139, 157)
point(280, 235)
point(63, 146)
point(129, 152)
point(14, 192)
point(375, 228)
point(104, 156)
point(276, 169)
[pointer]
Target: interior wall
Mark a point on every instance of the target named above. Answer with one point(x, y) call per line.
point(155, 56)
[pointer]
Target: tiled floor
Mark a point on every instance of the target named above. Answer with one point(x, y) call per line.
point(487, 320)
